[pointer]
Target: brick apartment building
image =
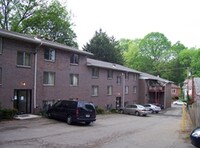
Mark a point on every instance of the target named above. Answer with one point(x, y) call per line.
point(35, 73)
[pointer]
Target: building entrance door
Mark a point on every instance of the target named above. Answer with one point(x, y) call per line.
point(118, 103)
point(22, 101)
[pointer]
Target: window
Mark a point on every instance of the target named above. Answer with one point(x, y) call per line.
point(1, 45)
point(0, 75)
point(95, 90)
point(109, 90)
point(173, 91)
point(23, 58)
point(110, 74)
point(49, 78)
point(74, 59)
point(126, 75)
point(126, 90)
point(49, 54)
point(95, 72)
point(134, 89)
point(74, 78)
point(118, 80)
point(134, 77)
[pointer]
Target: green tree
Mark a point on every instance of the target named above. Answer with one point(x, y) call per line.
point(155, 46)
point(190, 59)
point(14, 12)
point(132, 56)
point(49, 20)
point(104, 48)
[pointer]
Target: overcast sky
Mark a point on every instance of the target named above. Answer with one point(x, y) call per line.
point(178, 20)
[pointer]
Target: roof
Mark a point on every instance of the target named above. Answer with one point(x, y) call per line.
point(175, 86)
point(34, 40)
point(152, 77)
point(107, 65)
point(197, 85)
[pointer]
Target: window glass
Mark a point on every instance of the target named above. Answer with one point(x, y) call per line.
point(109, 90)
point(95, 90)
point(110, 74)
point(74, 59)
point(95, 72)
point(126, 89)
point(74, 78)
point(49, 54)
point(126, 75)
point(134, 89)
point(49, 78)
point(119, 80)
point(23, 58)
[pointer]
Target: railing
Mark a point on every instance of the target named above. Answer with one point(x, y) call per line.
point(156, 88)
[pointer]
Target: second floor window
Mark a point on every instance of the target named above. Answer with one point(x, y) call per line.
point(74, 78)
point(110, 74)
point(49, 54)
point(23, 58)
point(49, 78)
point(95, 72)
point(74, 59)
point(119, 80)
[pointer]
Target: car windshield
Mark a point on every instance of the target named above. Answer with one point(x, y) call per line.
point(140, 106)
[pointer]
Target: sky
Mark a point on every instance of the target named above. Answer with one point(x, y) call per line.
point(178, 20)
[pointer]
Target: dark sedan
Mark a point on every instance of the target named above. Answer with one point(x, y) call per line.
point(195, 137)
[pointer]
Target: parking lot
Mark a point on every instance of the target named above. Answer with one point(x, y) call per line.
point(161, 130)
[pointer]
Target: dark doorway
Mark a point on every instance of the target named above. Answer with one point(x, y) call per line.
point(118, 103)
point(22, 101)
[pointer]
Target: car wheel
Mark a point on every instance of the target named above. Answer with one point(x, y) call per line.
point(151, 110)
point(69, 120)
point(137, 113)
point(121, 111)
point(87, 123)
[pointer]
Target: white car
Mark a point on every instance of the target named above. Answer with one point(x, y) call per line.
point(179, 102)
point(152, 108)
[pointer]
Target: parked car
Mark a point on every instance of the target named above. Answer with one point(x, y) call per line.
point(135, 109)
point(73, 111)
point(152, 108)
point(179, 102)
point(195, 137)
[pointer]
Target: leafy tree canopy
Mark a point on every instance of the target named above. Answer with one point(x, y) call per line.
point(49, 20)
point(104, 48)
point(155, 46)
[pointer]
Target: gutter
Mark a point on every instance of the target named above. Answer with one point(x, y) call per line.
point(35, 74)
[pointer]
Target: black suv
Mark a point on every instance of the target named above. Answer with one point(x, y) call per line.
point(73, 111)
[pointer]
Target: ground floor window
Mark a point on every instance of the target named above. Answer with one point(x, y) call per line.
point(49, 78)
point(95, 90)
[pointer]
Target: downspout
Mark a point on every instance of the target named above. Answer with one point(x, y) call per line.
point(35, 76)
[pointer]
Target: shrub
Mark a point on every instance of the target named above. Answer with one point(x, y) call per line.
point(100, 111)
point(113, 110)
point(7, 113)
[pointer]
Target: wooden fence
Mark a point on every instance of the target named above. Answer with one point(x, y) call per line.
point(194, 112)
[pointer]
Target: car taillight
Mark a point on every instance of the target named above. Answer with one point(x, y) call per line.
point(77, 112)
